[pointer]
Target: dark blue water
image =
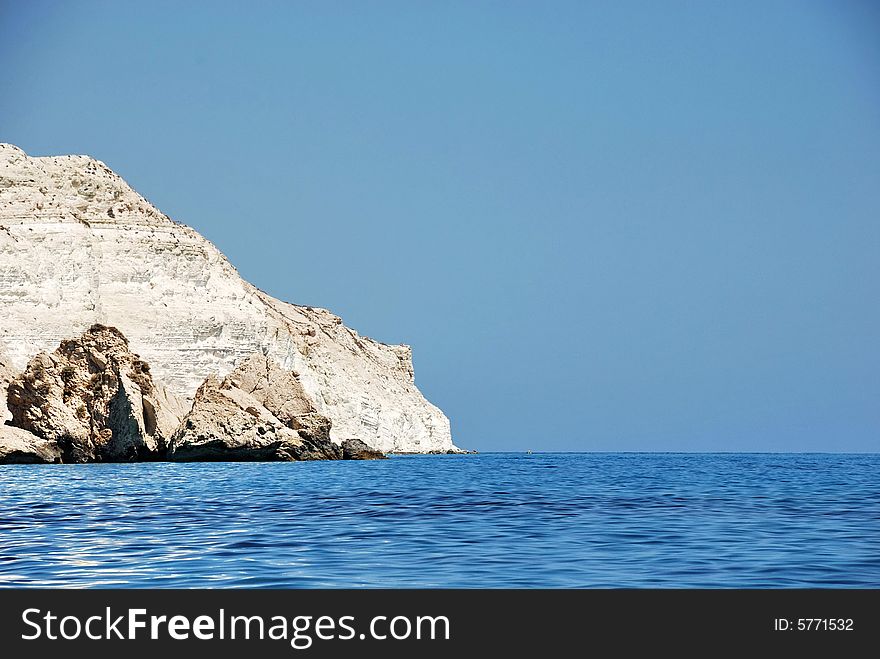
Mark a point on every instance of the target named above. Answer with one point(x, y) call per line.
point(500, 520)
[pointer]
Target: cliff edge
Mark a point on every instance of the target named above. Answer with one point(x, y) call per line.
point(78, 246)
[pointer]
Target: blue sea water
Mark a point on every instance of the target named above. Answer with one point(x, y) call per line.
point(493, 520)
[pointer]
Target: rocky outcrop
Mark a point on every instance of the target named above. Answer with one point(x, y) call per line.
point(18, 446)
point(92, 399)
point(259, 412)
point(230, 420)
point(78, 246)
point(95, 400)
point(355, 449)
point(282, 394)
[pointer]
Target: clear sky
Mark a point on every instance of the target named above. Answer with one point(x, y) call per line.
point(601, 226)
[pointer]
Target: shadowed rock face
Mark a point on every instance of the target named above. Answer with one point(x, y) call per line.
point(95, 399)
point(355, 449)
point(18, 446)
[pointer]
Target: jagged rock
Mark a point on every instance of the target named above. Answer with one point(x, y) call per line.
point(281, 393)
point(95, 399)
point(18, 446)
point(258, 412)
point(355, 449)
point(79, 246)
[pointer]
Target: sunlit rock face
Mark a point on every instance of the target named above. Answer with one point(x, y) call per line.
point(78, 246)
point(19, 446)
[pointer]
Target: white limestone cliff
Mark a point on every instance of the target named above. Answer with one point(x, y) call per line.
point(7, 372)
point(78, 246)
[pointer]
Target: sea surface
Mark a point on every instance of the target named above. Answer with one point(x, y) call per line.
point(581, 520)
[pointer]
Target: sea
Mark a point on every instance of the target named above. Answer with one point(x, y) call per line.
point(497, 520)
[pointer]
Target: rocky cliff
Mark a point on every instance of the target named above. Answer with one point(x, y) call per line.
point(95, 400)
point(78, 246)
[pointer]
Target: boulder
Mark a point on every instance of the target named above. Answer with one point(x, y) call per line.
point(95, 399)
point(255, 413)
point(18, 446)
point(355, 449)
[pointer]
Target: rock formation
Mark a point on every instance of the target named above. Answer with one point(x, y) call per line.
point(18, 446)
point(257, 412)
point(95, 400)
point(281, 393)
point(92, 400)
point(78, 246)
point(355, 449)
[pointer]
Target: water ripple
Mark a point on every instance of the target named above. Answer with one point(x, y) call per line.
point(495, 520)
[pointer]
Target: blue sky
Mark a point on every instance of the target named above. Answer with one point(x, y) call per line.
point(601, 226)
